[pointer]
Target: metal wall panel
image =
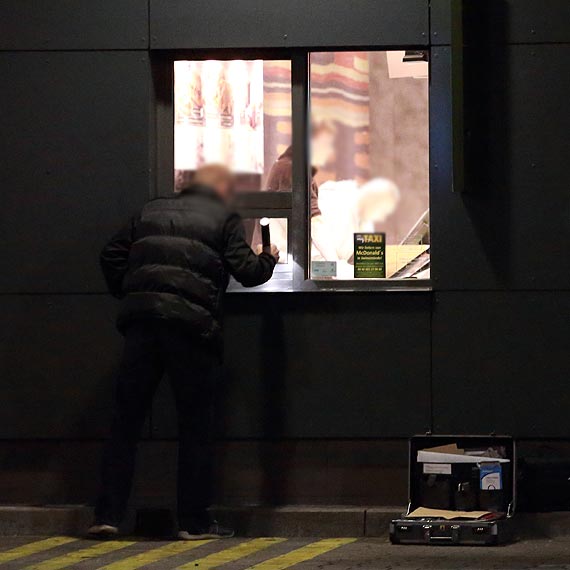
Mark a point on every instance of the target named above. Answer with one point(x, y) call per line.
point(503, 21)
point(73, 24)
point(213, 24)
point(440, 22)
point(511, 229)
point(517, 21)
point(246, 473)
point(317, 365)
point(58, 357)
point(75, 156)
point(500, 363)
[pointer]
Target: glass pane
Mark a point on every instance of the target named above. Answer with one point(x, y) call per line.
point(278, 232)
point(236, 113)
point(369, 153)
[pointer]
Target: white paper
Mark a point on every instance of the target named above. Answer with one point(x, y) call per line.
point(435, 457)
point(437, 468)
point(323, 268)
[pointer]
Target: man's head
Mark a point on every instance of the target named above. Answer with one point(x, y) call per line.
point(322, 143)
point(217, 177)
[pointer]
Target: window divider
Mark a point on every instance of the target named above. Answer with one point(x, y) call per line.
point(301, 175)
point(260, 200)
point(264, 213)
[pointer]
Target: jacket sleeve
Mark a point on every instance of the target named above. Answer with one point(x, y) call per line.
point(247, 267)
point(114, 258)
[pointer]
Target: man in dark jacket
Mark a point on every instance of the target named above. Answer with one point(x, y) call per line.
point(170, 267)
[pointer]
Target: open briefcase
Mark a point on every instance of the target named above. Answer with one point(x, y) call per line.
point(461, 491)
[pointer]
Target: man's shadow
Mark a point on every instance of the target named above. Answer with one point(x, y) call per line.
point(273, 461)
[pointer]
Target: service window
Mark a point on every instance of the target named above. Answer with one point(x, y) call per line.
point(369, 197)
point(360, 122)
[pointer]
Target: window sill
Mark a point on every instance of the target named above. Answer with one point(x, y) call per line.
point(335, 286)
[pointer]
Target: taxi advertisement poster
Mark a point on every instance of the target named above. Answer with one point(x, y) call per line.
point(370, 255)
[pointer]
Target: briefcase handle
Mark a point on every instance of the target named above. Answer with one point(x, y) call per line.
point(452, 535)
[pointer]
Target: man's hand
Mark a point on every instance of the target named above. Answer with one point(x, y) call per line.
point(271, 250)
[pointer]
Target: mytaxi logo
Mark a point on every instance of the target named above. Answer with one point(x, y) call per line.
point(373, 238)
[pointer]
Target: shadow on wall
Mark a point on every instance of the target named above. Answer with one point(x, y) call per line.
point(58, 360)
point(487, 128)
point(273, 366)
point(262, 462)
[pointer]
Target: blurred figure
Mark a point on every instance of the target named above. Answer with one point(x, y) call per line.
point(280, 179)
point(349, 208)
point(170, 266)
point(377, 201)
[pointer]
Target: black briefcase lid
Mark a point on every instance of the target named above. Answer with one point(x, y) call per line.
point(422, 442)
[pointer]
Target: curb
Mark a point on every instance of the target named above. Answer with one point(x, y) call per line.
point(49, 520)
point(285, 521)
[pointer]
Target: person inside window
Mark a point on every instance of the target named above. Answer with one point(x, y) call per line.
point(280, 179)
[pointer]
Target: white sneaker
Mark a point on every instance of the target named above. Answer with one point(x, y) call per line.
point(103, 531)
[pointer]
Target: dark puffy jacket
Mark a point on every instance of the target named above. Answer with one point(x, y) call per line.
point(173, 262)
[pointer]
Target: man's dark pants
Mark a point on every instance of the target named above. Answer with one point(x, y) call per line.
point(153, 347)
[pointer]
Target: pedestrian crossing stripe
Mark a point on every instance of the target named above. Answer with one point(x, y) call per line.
point(231, 554)
point(154, 555)
point(302, 554)
point(71, 558)
point(34, 548)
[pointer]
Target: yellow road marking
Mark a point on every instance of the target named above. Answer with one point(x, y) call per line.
point(154, 555)
point(302, 554)
point(34, 547)
point(231, 554)
point(78, 556)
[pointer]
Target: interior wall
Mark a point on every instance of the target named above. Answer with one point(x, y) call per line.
point(399, 142)
point(340, 97)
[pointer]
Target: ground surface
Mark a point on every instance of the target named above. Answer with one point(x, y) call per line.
point(273, 554)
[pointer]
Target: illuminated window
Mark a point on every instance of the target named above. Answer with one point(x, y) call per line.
point(237, 113)
point(363, 141)
point(369, 154)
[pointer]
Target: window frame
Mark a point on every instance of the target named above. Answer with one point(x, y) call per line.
point(295, 205)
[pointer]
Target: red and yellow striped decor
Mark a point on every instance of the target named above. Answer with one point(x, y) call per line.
point(339, 94)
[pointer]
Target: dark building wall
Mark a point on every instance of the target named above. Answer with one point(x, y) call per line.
point(320, 390)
